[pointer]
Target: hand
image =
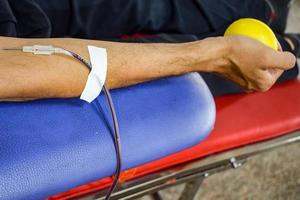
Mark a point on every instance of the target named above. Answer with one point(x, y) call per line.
point(252, 65)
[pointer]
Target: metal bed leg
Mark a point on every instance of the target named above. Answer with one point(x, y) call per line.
point(156, 196)
point(191, 188)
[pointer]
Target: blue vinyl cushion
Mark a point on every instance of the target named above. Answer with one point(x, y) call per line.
point(50, 146)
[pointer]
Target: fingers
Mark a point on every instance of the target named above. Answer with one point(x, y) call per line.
point(254, 66)
point(280, 60)
point(266, 79)
point(276, 62)
point(272, 75)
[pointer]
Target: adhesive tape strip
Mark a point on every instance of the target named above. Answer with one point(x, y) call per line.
point(97, 76)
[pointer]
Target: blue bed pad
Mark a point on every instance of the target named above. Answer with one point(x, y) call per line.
point(50, 146)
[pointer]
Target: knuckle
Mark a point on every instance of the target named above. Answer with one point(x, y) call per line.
point(261, 88)
point(264, 89)
point(264, 85)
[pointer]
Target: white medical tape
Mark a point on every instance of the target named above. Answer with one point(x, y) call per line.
point(97, 76)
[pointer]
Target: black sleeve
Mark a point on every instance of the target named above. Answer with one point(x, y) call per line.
point(23, 19)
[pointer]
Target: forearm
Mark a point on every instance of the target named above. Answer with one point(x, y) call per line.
point(27, 76)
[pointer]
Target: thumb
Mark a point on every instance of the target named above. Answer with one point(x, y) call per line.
point(281, 60)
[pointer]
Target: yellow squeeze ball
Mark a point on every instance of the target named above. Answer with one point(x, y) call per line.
point(255, 29)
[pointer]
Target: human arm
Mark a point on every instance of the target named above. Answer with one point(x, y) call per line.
point(242, 60)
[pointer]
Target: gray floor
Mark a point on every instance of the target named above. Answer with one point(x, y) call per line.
point(272, 175)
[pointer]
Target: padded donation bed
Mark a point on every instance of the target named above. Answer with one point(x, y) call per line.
point(50, 146)
point(245, 123)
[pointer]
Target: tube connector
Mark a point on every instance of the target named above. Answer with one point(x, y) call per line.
point(44, 50)
point(39, 49)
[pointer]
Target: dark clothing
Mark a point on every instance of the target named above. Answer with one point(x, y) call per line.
point(23, 18)
point(164, 20)
point(105, 19)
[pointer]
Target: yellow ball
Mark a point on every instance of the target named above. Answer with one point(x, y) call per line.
point(255, 29)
